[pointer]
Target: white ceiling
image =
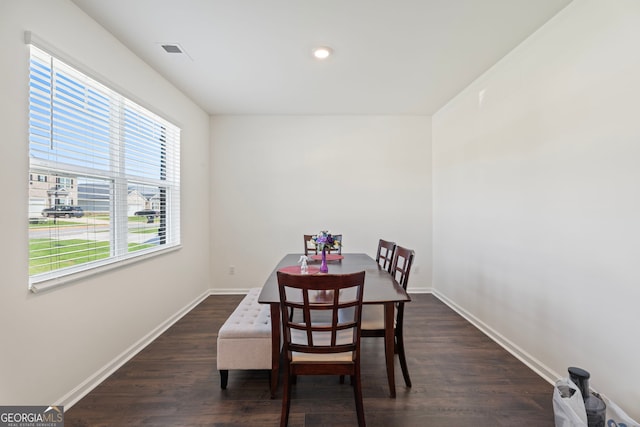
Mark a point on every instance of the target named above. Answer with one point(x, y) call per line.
point(254, 56)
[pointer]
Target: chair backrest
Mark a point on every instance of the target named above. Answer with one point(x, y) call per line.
point(321, 296)
point(384, 257)
point(401, 266)
point(309, 245)
point(338, 248)
point(400, 269)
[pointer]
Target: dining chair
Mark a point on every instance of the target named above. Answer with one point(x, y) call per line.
point(310, 247)
point(384, 256)
point(373, 314)
point(323, 343)
point(338, 249)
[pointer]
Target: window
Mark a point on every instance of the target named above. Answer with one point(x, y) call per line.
point(65, 181)
point(108, 176)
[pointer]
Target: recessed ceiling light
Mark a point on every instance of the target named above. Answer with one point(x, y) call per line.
point(322, 52)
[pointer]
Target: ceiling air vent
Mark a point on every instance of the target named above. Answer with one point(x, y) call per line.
point(172, 48)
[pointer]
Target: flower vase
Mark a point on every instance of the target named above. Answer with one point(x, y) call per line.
point(323, 266)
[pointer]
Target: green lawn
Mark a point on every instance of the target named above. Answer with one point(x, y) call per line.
point(152, 230)
point(49, 254)
point(140, 218)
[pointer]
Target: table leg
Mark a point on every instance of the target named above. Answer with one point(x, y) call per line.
point(389, 346)
point(275, 347)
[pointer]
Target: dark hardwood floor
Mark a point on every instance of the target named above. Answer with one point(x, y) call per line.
point(460, 378)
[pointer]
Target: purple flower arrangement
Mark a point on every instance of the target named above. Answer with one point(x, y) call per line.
point(324, 239)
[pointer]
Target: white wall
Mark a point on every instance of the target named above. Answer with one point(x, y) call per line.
point(54, 341)
point(275, 178)
point(536, 201)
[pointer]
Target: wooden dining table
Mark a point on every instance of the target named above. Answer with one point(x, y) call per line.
point(379, 288)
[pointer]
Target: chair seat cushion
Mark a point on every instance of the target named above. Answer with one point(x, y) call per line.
point(372, 316)
point(315, 357)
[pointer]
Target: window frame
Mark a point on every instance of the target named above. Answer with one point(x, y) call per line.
point(169, 232)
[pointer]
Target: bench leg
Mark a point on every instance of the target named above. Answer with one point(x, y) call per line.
point(224, 379)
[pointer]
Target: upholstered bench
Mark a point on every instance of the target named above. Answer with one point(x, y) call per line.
point(244, 341)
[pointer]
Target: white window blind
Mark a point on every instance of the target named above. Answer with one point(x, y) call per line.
point(104, 178)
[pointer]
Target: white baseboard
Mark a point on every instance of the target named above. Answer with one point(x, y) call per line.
point(71, 398)
point(538, 367)
point(411, 290)
point(228, 291)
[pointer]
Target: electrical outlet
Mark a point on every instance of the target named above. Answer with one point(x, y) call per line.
point(232, 270)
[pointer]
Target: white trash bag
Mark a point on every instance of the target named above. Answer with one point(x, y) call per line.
point(616, 417)
point(568, 406)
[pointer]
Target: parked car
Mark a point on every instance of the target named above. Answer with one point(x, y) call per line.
point(65, 211)
point(146, 212)
point(149, 213)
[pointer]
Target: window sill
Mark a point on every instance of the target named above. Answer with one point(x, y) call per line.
point(50, 283)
